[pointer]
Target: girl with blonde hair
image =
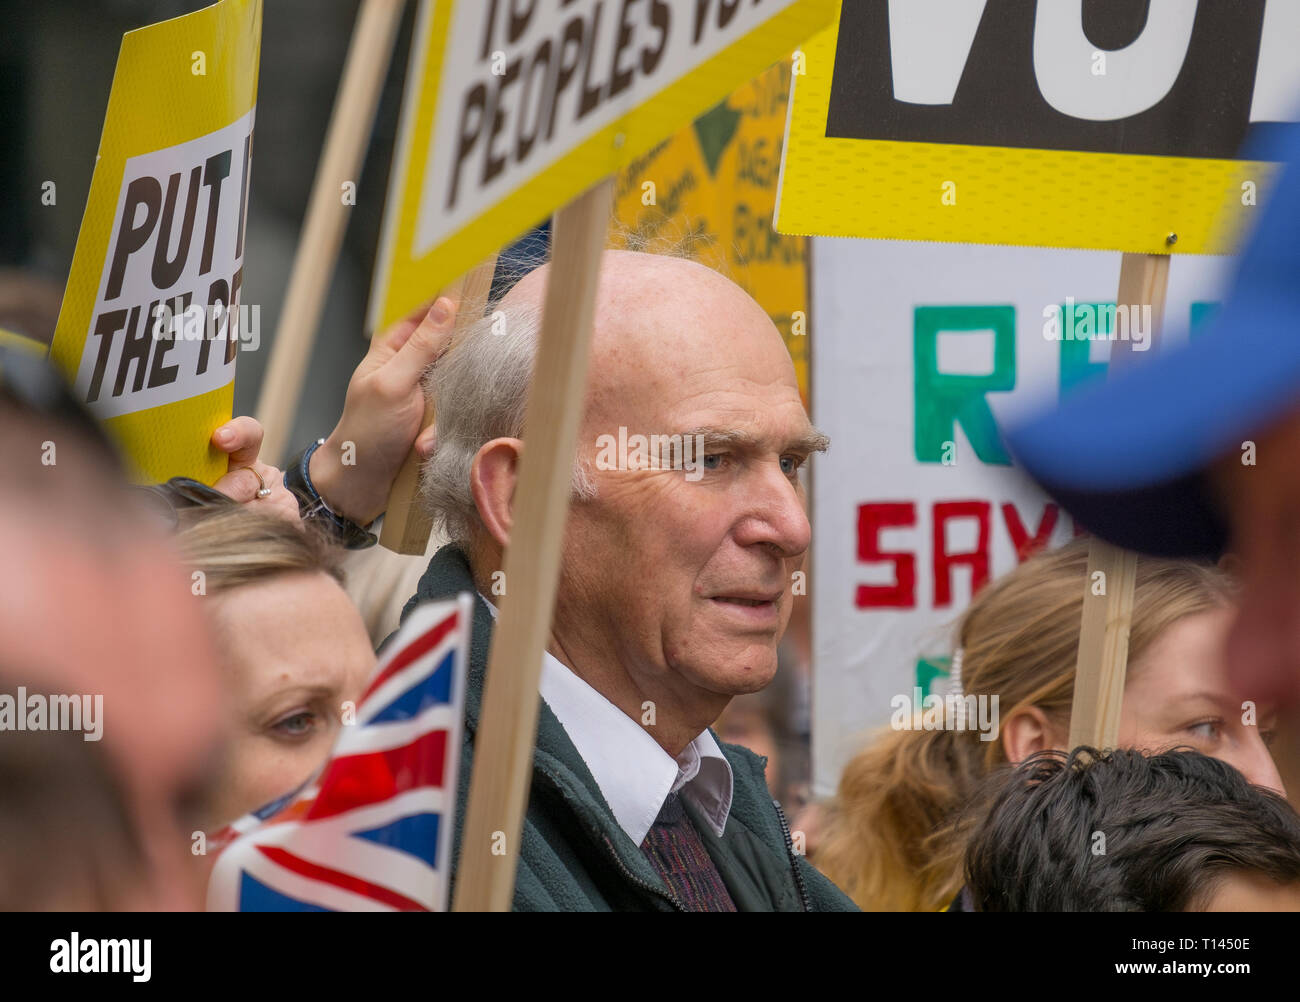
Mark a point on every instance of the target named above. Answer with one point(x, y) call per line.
point(892, 842)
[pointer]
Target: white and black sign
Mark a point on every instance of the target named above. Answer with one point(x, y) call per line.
point(527, 80)
point(1180, 78)
point(165, 323)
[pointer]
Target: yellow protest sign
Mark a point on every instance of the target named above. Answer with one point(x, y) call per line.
point(708, 193)
point(514, 109)
point(1020, 124)
point(150, 323)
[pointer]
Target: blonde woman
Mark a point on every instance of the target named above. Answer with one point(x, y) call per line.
point(889, 842)
point(292, 646)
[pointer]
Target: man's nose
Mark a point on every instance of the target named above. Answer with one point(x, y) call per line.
point(775, 513)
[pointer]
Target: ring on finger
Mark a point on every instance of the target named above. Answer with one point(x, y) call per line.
point(262, 489)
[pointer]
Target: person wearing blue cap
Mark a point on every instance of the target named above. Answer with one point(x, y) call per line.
point(1197, 451)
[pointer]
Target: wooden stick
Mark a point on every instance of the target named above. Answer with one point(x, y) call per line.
point(322, 232)
point(503, 748)
point(406, 524)
point(1103, 646)
point(1102, 666)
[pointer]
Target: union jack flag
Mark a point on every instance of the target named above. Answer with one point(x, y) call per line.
point(372, 831)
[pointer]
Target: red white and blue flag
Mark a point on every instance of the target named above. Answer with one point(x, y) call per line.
point(373, 830)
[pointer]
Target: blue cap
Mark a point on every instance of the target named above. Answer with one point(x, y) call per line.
point(1128, 457)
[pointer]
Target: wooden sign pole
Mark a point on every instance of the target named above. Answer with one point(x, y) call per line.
point(322, 231)
point(406, 524)
point(507, 726)
point(1108, 600)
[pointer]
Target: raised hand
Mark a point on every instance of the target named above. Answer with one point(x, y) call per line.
point(382, 414)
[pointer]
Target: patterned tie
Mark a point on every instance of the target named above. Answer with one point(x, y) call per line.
point(675, 849)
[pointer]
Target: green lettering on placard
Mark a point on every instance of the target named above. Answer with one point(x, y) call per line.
point(930, 671)
point(944, 400)
point(1077, 367)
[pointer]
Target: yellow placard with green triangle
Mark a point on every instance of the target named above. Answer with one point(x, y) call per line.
point(708, 191)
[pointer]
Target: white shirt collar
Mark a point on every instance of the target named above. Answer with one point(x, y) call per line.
point(634, 773)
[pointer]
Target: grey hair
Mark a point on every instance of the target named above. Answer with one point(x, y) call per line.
point(480, 392)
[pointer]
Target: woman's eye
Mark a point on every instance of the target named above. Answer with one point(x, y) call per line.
point(298, 725)
point(1206, 729)
point(1267, 736)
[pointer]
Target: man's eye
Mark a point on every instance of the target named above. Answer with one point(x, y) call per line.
point(298, 725)
point(790, 465)
point(713, 460)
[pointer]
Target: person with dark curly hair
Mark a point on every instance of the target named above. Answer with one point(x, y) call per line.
point(1121, 831)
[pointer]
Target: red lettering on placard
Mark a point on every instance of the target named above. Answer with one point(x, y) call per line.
point(944, 562)
point(1025, 544)
point(871, 519)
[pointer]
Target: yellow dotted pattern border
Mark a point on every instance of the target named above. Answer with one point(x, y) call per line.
point(999, 195)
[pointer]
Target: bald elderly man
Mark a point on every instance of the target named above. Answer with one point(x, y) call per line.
point(675, 585)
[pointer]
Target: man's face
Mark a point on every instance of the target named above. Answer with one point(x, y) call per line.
point(684, 576)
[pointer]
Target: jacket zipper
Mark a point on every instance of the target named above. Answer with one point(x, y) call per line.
point(794, 860)
point(645, 885)
point(618, 860)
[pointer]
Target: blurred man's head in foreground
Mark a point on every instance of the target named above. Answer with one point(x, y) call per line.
point(94, 605)
point(1197, 449)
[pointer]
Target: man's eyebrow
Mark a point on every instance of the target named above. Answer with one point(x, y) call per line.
point(808, 442)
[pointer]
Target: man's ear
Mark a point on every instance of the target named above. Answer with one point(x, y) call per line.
point(1029, 730)
point(492, 479)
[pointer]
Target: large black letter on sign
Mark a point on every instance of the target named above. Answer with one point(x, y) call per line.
point(144, 191)
point(476, 99)
point(998, 99)
point(106, 325)
point(215, 171)
point(165, 272)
